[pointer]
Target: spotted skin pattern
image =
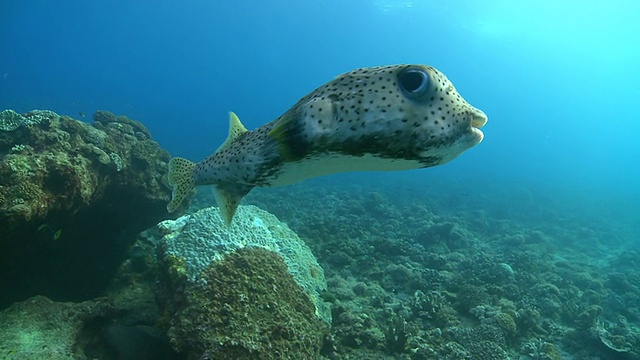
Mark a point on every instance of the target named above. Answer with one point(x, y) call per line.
point(395, 117)
point(181, 180)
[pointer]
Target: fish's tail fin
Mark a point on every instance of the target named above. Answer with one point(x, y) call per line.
point(181, 180)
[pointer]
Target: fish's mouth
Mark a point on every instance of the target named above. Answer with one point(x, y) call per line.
point(478, 119)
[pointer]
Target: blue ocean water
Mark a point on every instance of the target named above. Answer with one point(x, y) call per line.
point(559, 81)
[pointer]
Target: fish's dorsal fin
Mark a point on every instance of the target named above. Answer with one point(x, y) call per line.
point(228, 197)
point(235, 129)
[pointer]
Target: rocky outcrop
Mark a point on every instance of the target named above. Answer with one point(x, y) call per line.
point(73, 197)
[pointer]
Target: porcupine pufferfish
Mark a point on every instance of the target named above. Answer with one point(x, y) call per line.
point(387, 118)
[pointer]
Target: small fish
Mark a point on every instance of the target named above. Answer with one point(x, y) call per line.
point(56, 235)
point(81, 114)
point(396, 117)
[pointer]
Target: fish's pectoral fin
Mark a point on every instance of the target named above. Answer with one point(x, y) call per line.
point(285, 133)
point(228, 197)
point(293, 129)
point(180, 178)
point(235, 130)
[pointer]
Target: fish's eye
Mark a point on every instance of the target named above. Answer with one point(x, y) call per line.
point(414, 82)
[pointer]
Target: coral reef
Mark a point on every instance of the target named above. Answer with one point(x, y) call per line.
point(193, 242)
point(247, 306)
point(408, 281)
point(11, 120)
point(419, 275)
point(73, 197)
point(246, 291)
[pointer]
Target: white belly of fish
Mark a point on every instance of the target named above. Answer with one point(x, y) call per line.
point(294, 172)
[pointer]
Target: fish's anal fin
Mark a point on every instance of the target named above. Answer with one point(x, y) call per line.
point(181, 180)
point(228, 197)
point(235, 130)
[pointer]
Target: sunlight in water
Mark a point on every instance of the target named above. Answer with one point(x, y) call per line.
point(386, 5)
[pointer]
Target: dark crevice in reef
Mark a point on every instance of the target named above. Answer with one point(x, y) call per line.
point(75, 265)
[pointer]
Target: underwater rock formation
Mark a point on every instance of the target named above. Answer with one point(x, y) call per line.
point(73, 196)
point(246, 291)
point(118, 326)
point(39, 328)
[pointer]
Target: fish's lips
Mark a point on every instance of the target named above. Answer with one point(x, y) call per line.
point(478, 120)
